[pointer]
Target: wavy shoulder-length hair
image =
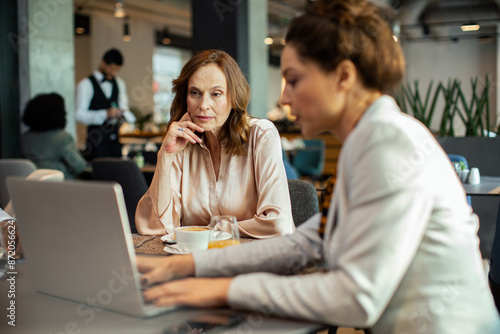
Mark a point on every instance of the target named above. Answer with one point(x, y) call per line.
point(236, 129)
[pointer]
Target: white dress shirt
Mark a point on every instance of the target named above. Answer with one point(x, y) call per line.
point(85, 93)
point(404, 255)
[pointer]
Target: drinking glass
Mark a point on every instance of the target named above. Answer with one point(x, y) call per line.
point(224, 232)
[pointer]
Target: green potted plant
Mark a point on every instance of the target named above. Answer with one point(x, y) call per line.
point(473, 112)
point(141, 118)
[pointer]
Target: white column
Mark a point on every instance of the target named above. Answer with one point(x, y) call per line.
point(46, 52)
point(258, 57)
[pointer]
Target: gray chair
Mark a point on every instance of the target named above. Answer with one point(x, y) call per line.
point(12, 167)
point(310, 161)
point(128, 175)
point(304, 200)
point(37, 175)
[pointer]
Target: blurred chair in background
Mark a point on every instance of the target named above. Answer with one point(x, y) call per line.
point(291, 172)
point(304, 200)
point(456, 158)
point(12, 167)
point(38, 175)
point(310, 160)
point(460, 159)
point(128, 175)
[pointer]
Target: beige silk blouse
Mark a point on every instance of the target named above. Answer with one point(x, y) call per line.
point(253, 187)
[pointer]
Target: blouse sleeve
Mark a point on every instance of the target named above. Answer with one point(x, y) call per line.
point(274, 212)
point(159, 211)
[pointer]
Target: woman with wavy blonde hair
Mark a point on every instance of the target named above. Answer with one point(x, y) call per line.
point(215, 159)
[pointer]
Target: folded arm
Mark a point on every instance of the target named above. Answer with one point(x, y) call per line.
point(273, 216)
point(159, 210)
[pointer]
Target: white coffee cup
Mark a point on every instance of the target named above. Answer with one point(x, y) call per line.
point(192, 238)
point(474, 177)
point(464, 174)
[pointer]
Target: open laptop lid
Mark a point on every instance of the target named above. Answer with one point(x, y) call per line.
point(77, 243)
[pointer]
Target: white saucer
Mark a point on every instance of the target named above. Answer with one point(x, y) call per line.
point(170, 238)
point(174, 249)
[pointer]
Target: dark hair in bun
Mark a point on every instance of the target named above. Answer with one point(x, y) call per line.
point(333, 31)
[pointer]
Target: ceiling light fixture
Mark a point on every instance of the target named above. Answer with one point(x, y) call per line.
point(165, 37)
point(126, 31)
point(82, 24)
point(471, 26)
point(120, 9)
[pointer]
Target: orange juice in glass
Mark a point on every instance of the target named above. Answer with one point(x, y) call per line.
point(224, 232)
point(222, 243)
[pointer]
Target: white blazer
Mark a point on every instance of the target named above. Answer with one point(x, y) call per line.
point(404, 255)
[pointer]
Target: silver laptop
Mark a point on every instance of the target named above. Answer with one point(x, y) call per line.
point(78, 245)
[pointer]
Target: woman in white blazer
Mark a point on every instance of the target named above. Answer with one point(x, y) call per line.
point(399, 239)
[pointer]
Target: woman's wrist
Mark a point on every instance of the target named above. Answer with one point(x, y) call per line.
point(182, 265)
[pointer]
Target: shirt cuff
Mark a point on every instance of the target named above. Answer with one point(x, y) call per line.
point(204, 262)
point(243, 294)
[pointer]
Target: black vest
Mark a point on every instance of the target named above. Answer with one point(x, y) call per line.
point(102, 140)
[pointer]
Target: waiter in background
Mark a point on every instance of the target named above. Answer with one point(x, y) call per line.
point(102, 105)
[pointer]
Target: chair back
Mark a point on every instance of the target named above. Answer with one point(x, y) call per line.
point(291, 172)
point(12, 167)
point(304, 200)
point(310, 160)
point(37, 175)
point(458, 158)
point(128, 175)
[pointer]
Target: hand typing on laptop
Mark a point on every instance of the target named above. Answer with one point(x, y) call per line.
point(188, 291)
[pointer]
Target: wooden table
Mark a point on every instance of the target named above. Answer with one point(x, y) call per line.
point(148, 168)
point(41, 313)
point(155, 246)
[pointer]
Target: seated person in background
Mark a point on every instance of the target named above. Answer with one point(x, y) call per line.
point(216, 159)
point(46, 143)
point(399, 244)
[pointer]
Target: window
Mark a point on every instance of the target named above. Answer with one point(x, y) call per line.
point(167, 65)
